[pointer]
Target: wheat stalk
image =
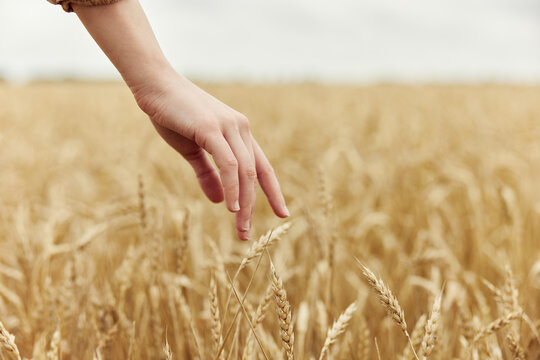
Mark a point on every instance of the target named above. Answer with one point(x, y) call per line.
point(241, 303)
point(338, 328)
point(416, 336)
point(257, 319)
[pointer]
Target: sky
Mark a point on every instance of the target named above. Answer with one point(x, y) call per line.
point(358, 41)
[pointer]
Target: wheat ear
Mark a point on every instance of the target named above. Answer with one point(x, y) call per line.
point(214, 315)
point(143, 218)
point(264, 242)
point(182, 245)
point(255, 251)
point(54, 352)
point(432, 326)
point(8, 348)
point(284, 314)
point(496, 325)
point(364, 343)
point(389, 301)
point(515, 348)
point(338, 328)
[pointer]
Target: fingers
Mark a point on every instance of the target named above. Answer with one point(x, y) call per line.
point(241, 162)
point(269, 182)
point(206, 175)
point(227, 163)
point(247, 175)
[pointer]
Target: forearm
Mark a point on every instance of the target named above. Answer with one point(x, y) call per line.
point(126, 37)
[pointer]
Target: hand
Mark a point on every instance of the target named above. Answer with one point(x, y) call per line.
point(195, 123)
point(190, 120)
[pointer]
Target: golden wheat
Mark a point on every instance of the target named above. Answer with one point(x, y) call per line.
point(433, 186)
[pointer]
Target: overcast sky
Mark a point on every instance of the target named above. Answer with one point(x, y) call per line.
point(294, 40)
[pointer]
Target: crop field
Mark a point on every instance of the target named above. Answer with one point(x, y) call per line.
point(414, 229)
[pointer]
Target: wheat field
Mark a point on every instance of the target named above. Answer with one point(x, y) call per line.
point(415, 228)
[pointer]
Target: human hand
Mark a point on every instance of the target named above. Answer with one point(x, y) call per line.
point(196, 124)
point(190, 120)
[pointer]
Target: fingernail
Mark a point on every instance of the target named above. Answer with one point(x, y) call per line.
point(286, 211)
point(236, 206)
point(246, 226)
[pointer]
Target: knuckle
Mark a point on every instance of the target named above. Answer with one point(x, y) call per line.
point(230, 163)
point(243, 122)
point(250, 172)
point(231, 189)
point(205, 174)
point(203, 134)
point(194, 155)
point(267, 171)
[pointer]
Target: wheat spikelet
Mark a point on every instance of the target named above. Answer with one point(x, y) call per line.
point(496, 325)
point(416, 336)
point(214, 316)
point(387, 298)
point(302, 327)
point(364, 340)
point(337, 329)
point(124, 272)
point(182, 244)
point(143, 217)
point(157, 330)
point(325, 197)
point(255, 251)
point(284, 314)
point(264, 242)
point(321, 319)
point(54, 352)
point(515, 348)
point(8, 348)
point(189, 328)
point(167, 350)
point(510, 294)
point(432, 326)
point(389, 301)
point(104, 340)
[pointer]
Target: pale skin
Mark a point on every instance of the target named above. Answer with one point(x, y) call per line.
point(193, 122)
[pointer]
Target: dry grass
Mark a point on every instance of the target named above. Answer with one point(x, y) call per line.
point(433, 189)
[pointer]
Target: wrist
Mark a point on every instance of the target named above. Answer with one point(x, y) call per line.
point(149, 86)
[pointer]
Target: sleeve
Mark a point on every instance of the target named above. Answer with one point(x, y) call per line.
point(66, 4)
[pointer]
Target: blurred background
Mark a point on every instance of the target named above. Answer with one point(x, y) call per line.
point(359, 41)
